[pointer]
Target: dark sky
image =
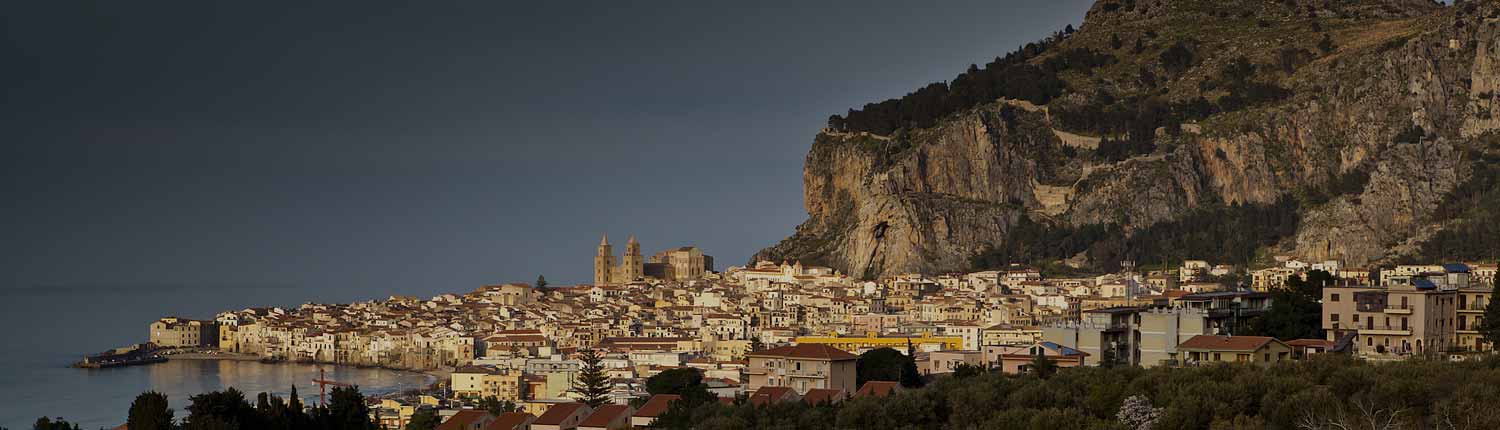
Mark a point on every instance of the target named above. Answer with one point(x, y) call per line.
point(376, 149)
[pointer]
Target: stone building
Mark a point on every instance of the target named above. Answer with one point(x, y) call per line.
point(630, 268)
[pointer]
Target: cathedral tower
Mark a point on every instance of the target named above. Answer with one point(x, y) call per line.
point(632, 265)
point(604, 262)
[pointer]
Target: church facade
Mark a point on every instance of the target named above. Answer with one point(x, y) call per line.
point(631, 266)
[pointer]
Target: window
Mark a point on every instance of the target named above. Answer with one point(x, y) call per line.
point(1335, 297)
point(1217, 358)
point(1266, 357)
point(1403, 302)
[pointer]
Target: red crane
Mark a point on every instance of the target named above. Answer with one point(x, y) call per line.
point(323, 383)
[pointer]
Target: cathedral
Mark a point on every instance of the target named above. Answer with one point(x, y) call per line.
point(676, 264)
point(632, 266)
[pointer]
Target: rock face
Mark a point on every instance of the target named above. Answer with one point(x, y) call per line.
point(927, 200)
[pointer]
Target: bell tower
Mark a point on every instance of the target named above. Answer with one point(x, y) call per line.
point(604, 261)
point(633, 265)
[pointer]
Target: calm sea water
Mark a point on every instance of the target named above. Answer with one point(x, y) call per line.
point(43, 329)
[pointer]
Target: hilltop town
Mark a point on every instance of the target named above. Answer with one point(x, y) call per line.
point(788, 331)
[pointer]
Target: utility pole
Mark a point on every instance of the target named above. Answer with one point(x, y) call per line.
point(323, 383)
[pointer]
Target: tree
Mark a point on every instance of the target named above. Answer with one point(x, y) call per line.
point(1296, 311)
point(58, 423)
point(217, 410)
point(886, 364)
point(496, 406)
point(541, 282)
point(756, 345)
point(1137, 413)
point(592, 384)
point(423, 419)
point(1489, 327)
point(346, 410)
point(683, 381)
point(149, 411)
point(1043, 367)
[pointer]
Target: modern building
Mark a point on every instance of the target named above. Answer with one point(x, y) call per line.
point(1020, 359)
point(801, 367)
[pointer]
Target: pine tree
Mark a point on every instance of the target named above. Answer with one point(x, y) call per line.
point(1489, 327)
point(541, 282)
point(149, 411)
point(592, 384)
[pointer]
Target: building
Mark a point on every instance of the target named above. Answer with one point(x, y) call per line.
point(631, 267)
point(481, 382)
point(1106, 335)
point(768, 395)
point(679, 264)
point(1472, 301)
point(608, 417)
point(653, 408)
point(511, 421)
point(1392, 322)
point(1018, 359)
point(174, 332)
point(878, 388)
point(1234, 349)
point(948, 361)
point(467, 419)
point(801, 367)
point(860, 344)
point(564, 416)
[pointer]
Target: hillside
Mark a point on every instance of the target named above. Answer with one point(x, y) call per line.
point(1162, 130)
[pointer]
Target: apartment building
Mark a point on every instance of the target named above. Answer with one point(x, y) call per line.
point(1396, 321)
point(802, 368)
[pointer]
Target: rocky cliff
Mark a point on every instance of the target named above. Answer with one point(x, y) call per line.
point(1378, 111)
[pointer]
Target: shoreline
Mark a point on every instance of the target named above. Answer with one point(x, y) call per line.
point(439, 376)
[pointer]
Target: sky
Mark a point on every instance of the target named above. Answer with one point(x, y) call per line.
point(351, 150)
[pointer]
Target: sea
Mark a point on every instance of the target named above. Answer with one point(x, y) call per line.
point(44, 329)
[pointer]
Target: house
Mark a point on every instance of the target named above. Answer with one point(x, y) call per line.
point(467, 419)
point(564, 416)
point(608, 417)
point(819, 396)
point(1234, 349)
point(653, 408)
point(1301, 348)
point(768, 395)
point(802, 368)
point(511, 421)
point(877, 388)
point(1018, 359)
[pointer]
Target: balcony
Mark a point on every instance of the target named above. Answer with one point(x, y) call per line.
point(1385, 330)
point(1398, 309)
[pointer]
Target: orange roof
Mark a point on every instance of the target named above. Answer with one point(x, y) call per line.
point(877, 388)
point(770, 394)
point(823, 395)
point(463, 419)
point(510, 421)
point(557, 413)
point(658, 404)
point(1227, 343)
point(605, 415)
point(812, 351)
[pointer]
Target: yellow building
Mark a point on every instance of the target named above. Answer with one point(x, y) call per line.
point(1471, 304)
point(858, 345)
point(481, 382)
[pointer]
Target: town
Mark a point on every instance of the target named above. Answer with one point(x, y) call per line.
point(783, 331)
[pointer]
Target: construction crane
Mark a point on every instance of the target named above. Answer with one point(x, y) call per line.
point(323, 383)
